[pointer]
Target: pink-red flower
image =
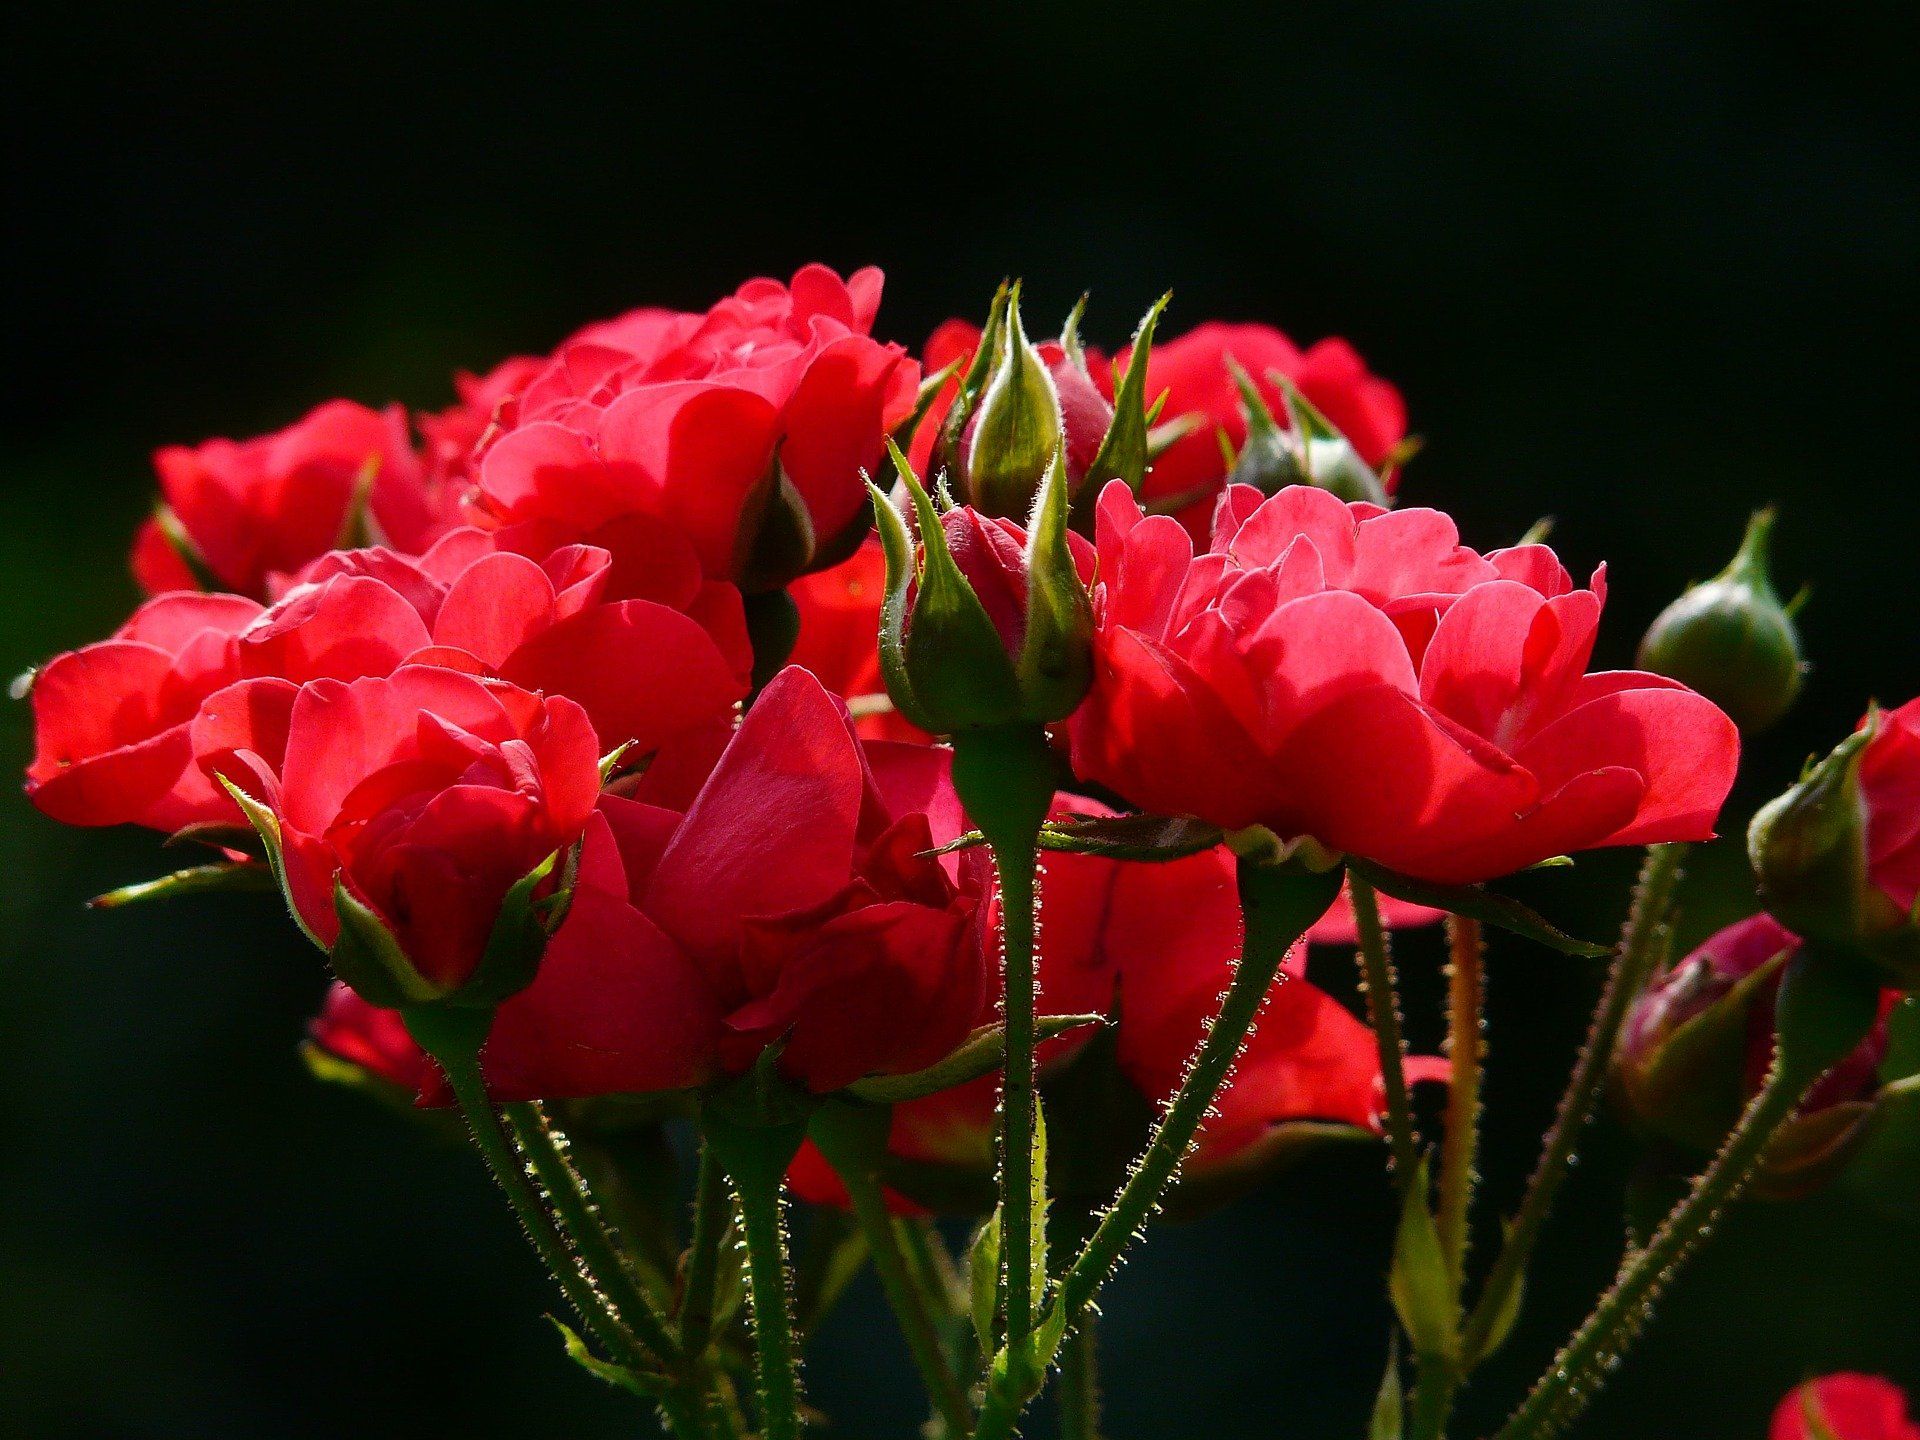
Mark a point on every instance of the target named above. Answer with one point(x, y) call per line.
point(681, 417)
point(427, 795)
point(112, 721)
point(251, 510)
point(373, 1040)
point(646, 669)
point(1357, 675)
point(1844, 1407)
point(1192, 371)
point(777, 896)
point(1890, 784)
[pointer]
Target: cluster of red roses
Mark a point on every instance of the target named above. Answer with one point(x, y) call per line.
point(469, 686)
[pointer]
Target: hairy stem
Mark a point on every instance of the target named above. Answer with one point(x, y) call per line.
point(1383, 1011)
point(756, 1159)
point(710, 1218)
point(1080, 1383)
point(1459, 1147)
point(1653, 898)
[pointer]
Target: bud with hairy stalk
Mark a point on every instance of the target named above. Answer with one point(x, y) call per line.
point(1732, 639)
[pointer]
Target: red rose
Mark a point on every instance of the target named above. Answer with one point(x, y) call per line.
point(783, 898)
point(1844, 1407)
point(427, 795)
point(1192, 371)
point(450, 437)
point(254, 509)
point(681, 417)
point(645, 669)
point(1358, 676)
point(111, 721)
point(1890, 783)
point(372, 1040)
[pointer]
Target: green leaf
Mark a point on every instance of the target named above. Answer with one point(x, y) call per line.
point(246, 875)
point(1506, 1311)
point(978, 1055)
point(650, 1387)
point(1389, 1405)
point(1473, 902)
point(983, 1276)
point(1421, 1283)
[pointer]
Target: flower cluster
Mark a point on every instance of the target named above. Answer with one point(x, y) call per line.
point(698, 722)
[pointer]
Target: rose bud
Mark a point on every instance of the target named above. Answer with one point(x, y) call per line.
point(1838, 856)
point(1844, 1407)
point(1309, 451)
point(416, 821)
point(1731, 638)
point(1698, 1043)
point(1358, 677)
point(236, 514)
point(987, 624)
point(838, 641)
point(993, 431)
point(112, 721)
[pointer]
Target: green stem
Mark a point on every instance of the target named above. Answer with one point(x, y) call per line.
point(697, 1299)
point(756, 1159)
point(1582, 1365)
point(1383, 1011)
point(1466, 1052)
point(1005, 778)
point(1080, 1383)
point(911, 1306)
point(1436, 1383)
point(1633, 958)
point(580, 1221)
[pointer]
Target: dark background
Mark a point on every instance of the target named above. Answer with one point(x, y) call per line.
point(1638, 266)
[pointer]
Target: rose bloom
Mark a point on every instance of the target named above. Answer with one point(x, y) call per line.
point(1890, 784)
point(645, 669)
point(1191, 370)
point(1844, 1407)
point(449, 438)
point(1356, 675)
point(373, 1040)
point(777, 894)
point(112, 721)
point(1154, 946)
point(427, 794)
point(255, 509)
point(680, 417)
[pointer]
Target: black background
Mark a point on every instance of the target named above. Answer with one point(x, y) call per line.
point(1638, 266)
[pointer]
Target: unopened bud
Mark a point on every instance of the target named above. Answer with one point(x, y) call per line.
point(1310, 450)
point(1013, 436)
point(1732, 639)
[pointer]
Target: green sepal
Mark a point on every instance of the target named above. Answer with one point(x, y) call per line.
point(897, 545)
point(1070, 343)
point(188, 553)
point(1473, 902)
point(923, 400)
point(1145, 837)
point(759, 1099)
point(518, 938)
point(370, 962)
point(980, 1054)
point(359, 527)
point(267, 826)
point(972, 381)
point(636, 1382)
point(773, 629)
point(960, 675)
point(1421, 1282)
point(1125, 452)
point(1506, 1311)
point(1326, 455)
point(218, 835)
point(1828, 1002)
point(776, 541)
point(246, 875)
point(1388, 1421)
point(1056, 653)
point(1816, 1418)
point(1882, 1169)
point(1018, 432)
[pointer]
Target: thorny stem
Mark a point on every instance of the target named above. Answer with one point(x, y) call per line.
point(756, 1161)
point(1465, 1049)
point(1653, 897)
point(1080, 1383)
point(1004, 777)
point(579, 1220)
point(703, 1263)
point(1579, 1369)
point(910, 1301)
point(1383, 1010)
